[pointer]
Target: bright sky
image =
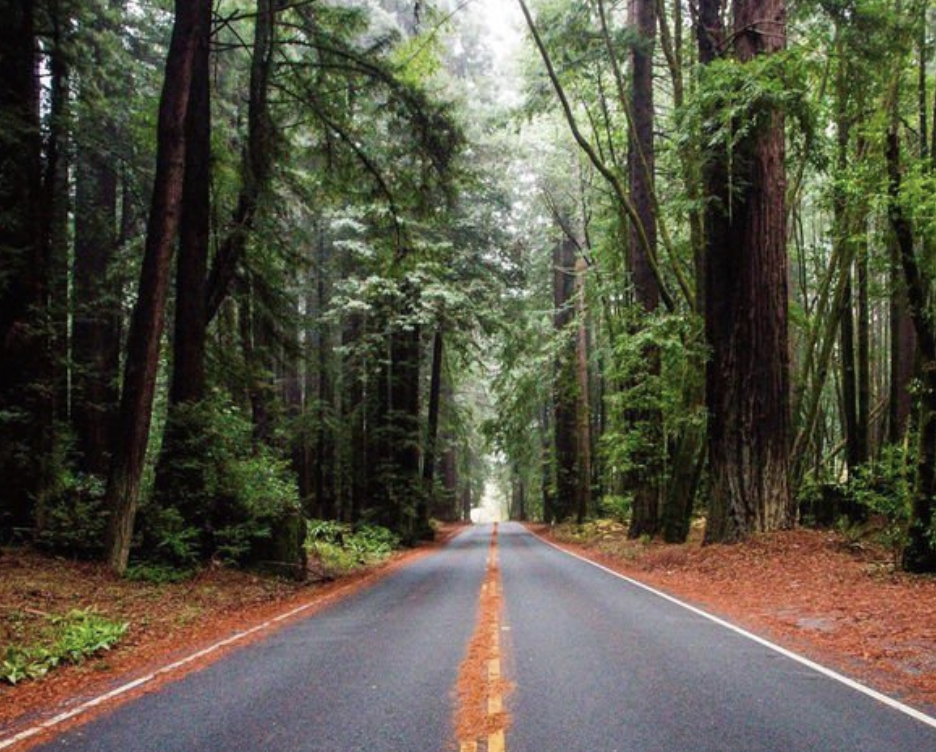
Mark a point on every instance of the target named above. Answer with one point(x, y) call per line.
point(504, 21)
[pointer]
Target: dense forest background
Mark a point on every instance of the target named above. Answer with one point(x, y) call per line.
point(269, 262)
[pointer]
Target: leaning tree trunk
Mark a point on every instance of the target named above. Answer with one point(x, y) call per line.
point(747, 384)
point(180, 472)
point(146, 327)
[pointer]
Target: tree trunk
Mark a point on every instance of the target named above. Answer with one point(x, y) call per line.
point(96, 324)
point(919, 554)
point(564, 386)
point(57, 205)
point(432, 418)
point(191, 317)
point(146, 328)
point(903, 352)
point(23, 429)
point(256, 163)
point(583, 482)
point(746, 312)
point(546, 466)
point(179, 474)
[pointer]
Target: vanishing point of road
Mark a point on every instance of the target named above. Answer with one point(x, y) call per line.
point(587, 662)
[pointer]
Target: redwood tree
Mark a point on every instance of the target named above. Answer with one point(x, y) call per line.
point(22, 268)
point(747, 382)
point(146, 328)
point(645, 518)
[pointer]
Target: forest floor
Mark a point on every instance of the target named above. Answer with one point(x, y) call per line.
point(167, 621)
point(831, 597)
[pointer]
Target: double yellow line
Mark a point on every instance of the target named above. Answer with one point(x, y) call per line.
point(480, 679)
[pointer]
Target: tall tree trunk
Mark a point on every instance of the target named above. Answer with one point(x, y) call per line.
point(903, 351)
point(432, 418)
point(919, 554)
point(412, 520)
point(324, 472)
point(191, 315)
point(146, 328)
point(257, 160)
point(96, 325)
point(746, 311)
point(547, 466)
point(863, 349)
point(646, 483)
point(183, 460)
point(564, 385)
point(22, 284)
point(583, 453)
point(57, 201)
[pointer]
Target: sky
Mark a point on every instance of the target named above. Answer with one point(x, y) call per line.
point(503, 19)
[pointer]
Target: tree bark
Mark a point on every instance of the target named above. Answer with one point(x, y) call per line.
point(564, 385)
point(583, 495)
point(146, 328)
point(903, 352)
point(646, 483)
point(23, 429)
point(919, 554)
point(747, 384)
point(432, 418)
point(179, 475)
point(256, 163)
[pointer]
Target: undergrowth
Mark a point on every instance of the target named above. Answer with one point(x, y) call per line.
point(66, 639)
point(340, 547)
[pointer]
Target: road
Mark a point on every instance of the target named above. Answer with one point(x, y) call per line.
point(597, 664)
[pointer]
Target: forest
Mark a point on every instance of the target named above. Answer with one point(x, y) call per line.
point(269, 263)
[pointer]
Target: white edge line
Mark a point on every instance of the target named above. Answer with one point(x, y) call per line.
point(851, 683)
point(130, 686)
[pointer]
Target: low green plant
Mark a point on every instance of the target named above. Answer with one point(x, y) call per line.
point(884, 488)
point(72, 638)
point(341, 547)
point(616, 507)
point(75, 517)
point(157, 574)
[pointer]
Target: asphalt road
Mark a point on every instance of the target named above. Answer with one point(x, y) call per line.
point(598, 665)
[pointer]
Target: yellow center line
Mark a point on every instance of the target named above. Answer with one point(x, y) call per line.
point(488, 730)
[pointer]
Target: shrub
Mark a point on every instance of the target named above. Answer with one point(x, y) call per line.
point(885, 488)
point(75, 519)
point(618, 508)
point(341, 547)
point(221, 492)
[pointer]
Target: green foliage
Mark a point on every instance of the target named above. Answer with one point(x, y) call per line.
point(617, 508)
point(75, 519)
point(656, 366)
point(157, 574)
point(341, 547)
point(885, 489)
point(71, 638)
point(223, 492)
point(734, 101)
